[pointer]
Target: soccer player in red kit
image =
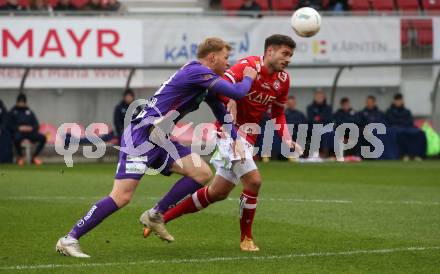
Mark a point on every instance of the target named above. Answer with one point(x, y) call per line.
point(268, 91)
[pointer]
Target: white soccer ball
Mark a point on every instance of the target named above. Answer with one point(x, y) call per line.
point(306, 22)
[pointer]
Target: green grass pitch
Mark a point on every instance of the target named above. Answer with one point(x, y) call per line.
point(370, 217)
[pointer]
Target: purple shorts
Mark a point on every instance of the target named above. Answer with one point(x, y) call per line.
point(157, 159)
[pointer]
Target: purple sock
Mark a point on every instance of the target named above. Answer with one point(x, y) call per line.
point(180, 190)
point(96, 214)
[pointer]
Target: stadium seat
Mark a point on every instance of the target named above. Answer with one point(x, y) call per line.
point(79, 3)
point(264, 4)
point(360, 5)
point(231, 4)
point(24, 3)
point(50, 131)
point(100, 128)
point(423, 29)
point(53, 3)
point(383, 6)
point(431, 6)
point(74, 133)
point(408, 5)
point(404, 28)
point(284, 4)
point(2, 3)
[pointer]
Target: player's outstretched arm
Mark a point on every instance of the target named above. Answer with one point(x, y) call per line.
point(237, 90)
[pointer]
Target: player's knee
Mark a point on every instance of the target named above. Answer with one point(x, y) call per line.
point(121, 199)
point(203, 175)
point(253, 185)
point(220, 196)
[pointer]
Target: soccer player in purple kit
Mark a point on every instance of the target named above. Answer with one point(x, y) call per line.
point(197, 81)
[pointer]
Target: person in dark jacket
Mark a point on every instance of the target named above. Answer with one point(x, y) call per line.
point(24, 126)
point(319, 112)
point(294, 116)
point(411, 141)
point(372, 114)
point(399, 116)
point(5, 136)
point(120, 110)
point(345, 114)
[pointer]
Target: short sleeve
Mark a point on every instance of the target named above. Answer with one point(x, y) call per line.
point(235, 73)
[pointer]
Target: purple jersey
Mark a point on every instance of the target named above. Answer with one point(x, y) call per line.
point(183, 91)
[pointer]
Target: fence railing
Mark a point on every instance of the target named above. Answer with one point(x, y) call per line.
point(341, 67)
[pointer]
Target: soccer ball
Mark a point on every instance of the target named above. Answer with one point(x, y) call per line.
point(306, 22)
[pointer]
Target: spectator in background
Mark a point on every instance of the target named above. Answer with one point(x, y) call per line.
point(40, 5)
point(65, 5)
point(338, 5)
point(93, 5)
point(251, 6)
point(11, 5)
point(5, 136)
point(411, 141)
point(120, 110)
point(294, 116)
point(319, 112)
point(316, 4)
point(112, 5)
point(372, 114)
point(24, 126)
point(345, 114)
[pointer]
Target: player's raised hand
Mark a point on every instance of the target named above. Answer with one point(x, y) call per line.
point(238, 149)
point(298, 150)
point(250, 72)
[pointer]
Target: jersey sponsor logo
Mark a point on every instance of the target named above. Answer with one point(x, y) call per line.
point(265, 86)
point(282, 76)
point(276, 85)
point(259, 97)
point(137, 158)
point(135, 168)
point(244, 61)
point(207, 77)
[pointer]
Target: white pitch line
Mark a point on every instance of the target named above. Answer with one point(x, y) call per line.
point(292, 200)
point(223, 259)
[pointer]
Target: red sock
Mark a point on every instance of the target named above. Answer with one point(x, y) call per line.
point(248, 205)
point(196, 202)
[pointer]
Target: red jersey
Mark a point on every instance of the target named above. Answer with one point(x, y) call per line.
point(268, 91)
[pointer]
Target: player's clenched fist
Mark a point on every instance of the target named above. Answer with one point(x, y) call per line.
point(250, 72)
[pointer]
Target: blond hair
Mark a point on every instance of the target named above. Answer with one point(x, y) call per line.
point(211, 44)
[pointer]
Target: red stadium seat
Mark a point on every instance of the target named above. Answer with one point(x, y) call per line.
point(408, 5)
point(231, 4)
point(52, 3)
point(2, 3)
point(264, 4)
point(24, 3)
point(423, 29)
point(404, 32)
point(79, 3)
point(100, 128)
point(384, 6)
point(284, 4)
point(48, 130)
point(325, 4)
point(360, 5)
point(432, 6)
